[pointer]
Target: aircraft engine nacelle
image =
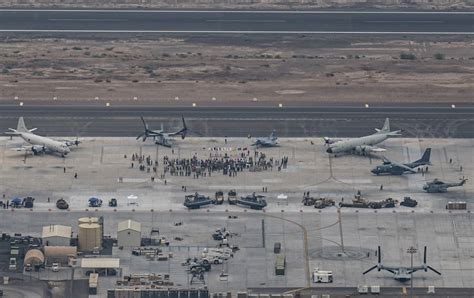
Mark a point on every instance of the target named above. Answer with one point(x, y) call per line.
point(328, 141)
point(362, 149)
point(38, 149)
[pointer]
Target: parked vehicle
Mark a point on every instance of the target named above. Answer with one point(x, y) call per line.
point(12, 264)
point(277, 247)
point(113, 202)
point(62, 204)
point(321, 276)
point(95, 202)
point(280, 265)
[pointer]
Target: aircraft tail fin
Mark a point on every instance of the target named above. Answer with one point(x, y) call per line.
point(21, 127)
point(386, 129)
point(273, 135)
point(425, 159)
point(386, 126)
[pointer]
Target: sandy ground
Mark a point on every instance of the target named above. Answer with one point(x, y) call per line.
point(288, 69)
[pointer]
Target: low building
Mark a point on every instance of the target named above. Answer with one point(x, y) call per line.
point(60, 254)
point(129, 233)
point(56, 235)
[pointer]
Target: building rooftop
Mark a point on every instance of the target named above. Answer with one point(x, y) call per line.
point(100, 263)
point(56, 231)
point(129, 225)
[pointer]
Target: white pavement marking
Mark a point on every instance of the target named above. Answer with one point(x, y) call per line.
point(241, 11)
point(234, 32)
point(401, 22)
point(247, 21)
point(88, 20)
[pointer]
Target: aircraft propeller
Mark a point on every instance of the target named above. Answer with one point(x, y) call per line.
point(370, 269)
point(327, 141)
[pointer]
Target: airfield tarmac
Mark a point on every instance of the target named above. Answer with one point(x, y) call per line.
point(310, 237)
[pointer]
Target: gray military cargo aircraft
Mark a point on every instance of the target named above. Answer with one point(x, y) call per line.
point(270, 141)
point(38, 143)
point(440, 186)
point(161, 137)
point(394, 168)
point(362, 145)
point(402, 274)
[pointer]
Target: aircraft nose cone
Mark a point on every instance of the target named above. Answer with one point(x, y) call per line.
point(329, 150)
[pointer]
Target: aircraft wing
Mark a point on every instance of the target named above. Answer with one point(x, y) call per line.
point(414, 269)
point(376, 149)
point(389, 269)
point(70, 143)
point(156, 132)
point(400, 165)
point(35, 149)
point(367, 148)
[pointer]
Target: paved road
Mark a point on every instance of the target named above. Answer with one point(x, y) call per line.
point(286, 22)
point(384, 291)
point(340, 121)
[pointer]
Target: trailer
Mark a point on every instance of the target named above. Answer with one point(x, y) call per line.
point(93, 283)
point(322, 276)
point(359, 202)
point(280, 265)
point(323, 203)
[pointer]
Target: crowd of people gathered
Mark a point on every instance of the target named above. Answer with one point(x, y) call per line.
point(216, 163)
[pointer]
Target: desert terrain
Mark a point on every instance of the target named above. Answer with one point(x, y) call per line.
point(239, 68)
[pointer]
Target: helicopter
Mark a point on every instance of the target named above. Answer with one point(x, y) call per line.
point(401, 274)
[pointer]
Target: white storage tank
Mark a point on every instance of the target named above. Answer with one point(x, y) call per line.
point(90, 237)
point(83, 220)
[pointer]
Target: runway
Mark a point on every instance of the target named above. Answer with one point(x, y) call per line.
point(314, 121)
point(236, 22)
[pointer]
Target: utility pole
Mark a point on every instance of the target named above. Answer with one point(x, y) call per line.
point(412, 250)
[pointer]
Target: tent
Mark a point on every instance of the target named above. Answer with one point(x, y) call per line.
point(132, 200)
point(282, 199)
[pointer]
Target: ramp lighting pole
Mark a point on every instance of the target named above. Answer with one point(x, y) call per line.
point(412, 250)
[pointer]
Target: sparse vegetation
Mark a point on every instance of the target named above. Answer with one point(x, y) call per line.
point(38, 73)
point(77, 48)
point(407, 56)
point(101, 55)
point(439, 56)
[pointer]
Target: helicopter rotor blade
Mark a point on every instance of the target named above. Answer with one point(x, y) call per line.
point(370, 269)
point(424, 256)
point(434, 270)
